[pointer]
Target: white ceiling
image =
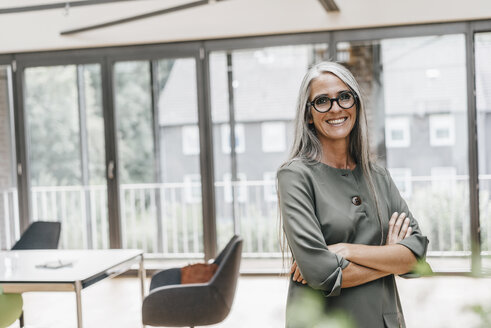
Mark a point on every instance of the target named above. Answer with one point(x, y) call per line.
point(35, 31)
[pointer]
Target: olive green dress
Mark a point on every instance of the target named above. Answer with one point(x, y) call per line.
point(322, 205)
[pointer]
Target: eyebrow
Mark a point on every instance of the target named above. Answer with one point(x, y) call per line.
point(325, 94)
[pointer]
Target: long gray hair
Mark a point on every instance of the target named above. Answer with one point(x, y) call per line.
point(306, 145)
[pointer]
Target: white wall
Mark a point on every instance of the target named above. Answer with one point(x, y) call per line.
point(34, 31)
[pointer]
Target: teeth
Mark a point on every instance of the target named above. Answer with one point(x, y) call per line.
point(337, 121)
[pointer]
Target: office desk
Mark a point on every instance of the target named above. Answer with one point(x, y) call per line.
point(20, 271)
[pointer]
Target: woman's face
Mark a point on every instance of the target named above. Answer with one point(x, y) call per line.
point(337, 123)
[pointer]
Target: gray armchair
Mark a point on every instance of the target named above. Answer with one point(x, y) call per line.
point(170, 303)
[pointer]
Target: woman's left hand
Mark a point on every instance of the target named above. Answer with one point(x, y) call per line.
point(342, 249)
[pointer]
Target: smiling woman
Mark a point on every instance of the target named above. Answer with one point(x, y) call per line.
point(333, 118)
point(347, 226)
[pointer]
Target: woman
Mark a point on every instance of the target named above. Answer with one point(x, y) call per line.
point(345, 222)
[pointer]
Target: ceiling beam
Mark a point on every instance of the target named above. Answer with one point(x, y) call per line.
point(66, 4)
point(137, 17)
point(329, 5)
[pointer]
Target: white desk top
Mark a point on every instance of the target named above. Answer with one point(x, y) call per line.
point(20, 266)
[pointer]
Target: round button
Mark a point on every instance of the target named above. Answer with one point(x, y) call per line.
point(356, 200)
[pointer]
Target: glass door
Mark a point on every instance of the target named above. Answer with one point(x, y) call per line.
point(66, 152)
point(156, 111)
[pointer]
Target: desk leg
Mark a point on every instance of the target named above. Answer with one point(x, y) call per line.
point(141, 273)
point(78, 295)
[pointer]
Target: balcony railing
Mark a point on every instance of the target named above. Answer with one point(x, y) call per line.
point(165, 219)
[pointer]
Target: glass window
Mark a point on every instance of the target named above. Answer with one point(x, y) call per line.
point(269, 179)
point(273, 137)
point(64, 120)
point(483, 102)
point(443, 178)
point(442, 130)
point(192, 185)
point(190, 140)
point(160, 209)
point(133, 105)
point(239, 186)
point(397, 132)
point(422, 100)
point(9, 211)
point(181, 216)
point(265, 83)
point(239, 138)
point(402, 179)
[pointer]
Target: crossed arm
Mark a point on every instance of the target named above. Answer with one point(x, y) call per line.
point(368, 263)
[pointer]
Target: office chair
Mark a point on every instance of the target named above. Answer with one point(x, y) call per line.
point(171, 303)
point(40, 235)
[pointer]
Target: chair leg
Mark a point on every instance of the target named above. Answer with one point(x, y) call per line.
point(21, 320)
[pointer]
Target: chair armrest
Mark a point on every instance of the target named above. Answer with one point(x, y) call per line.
point(166, 277)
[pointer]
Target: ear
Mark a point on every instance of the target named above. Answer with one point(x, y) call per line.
point(310, 118)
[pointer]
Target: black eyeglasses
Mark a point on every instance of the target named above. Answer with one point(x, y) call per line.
point(323, 104)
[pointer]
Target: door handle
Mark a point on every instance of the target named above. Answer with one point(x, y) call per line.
point(110, 170)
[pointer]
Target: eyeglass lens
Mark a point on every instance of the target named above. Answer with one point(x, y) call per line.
point(345, 100)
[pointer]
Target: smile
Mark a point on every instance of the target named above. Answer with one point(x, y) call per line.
point(337, 121)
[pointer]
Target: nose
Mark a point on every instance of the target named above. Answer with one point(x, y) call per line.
point(335, 108)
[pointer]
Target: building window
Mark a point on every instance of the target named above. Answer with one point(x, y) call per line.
point(192, 188)
point(443, 178)
point(240, 187)
point(239, 138)
point(402, 179)
point(442, 130)
point(269, 179)
point(273, 137)
point(397, 132)
point(190, 140)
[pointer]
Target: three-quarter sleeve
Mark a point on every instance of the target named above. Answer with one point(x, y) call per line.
point(416, 242)
point(321, 268)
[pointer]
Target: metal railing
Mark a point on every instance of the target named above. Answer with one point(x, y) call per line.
point(166, 218)
point(162, 218)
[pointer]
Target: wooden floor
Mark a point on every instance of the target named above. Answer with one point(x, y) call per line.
point(260, 302)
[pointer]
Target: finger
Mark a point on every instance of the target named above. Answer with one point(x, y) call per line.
point(300, 278)
point(294, 266)
point(397, 226)
point(404, 228)
point(296, 274)
point(304, 281)
point(408, 233)
point(392, 221)
point(391, 227)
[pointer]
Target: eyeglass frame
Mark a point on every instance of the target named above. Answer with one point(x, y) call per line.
point(332, 100)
